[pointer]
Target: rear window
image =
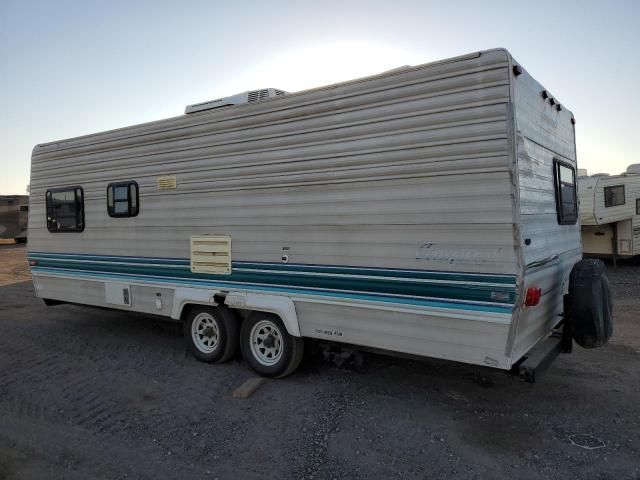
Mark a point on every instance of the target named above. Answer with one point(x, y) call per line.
point(565, 187)
point(614, 196)
point(65, 209)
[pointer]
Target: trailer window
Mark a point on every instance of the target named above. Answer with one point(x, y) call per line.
point(65, 209)
point(566, 200)
point(614, 196)
point(122, 199)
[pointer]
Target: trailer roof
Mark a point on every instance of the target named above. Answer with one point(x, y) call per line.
point(86, 139)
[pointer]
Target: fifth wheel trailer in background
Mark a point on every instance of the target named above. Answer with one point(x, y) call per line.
point(14, 211)
point(428, 210)
point(610, 214)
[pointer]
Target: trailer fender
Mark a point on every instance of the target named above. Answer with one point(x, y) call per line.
point(191, 296)
point(281, 306)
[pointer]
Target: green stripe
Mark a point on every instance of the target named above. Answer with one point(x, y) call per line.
point(504, 294)
point(505, 279)
point(438, 303)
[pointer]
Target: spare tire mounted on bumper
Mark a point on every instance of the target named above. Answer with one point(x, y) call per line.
point(589, 304)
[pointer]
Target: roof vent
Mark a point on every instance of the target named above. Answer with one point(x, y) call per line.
point(244, 97)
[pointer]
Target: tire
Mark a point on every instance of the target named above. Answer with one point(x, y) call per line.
point(267, 346)
point(589, 303)
point(221, 324)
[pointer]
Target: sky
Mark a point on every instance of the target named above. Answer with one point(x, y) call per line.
point(69, 68)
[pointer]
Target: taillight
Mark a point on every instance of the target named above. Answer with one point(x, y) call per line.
point(532, 298)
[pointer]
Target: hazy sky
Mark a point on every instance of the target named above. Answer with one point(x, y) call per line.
point(69, 68)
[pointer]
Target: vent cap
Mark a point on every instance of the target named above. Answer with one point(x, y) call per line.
point(211, 254)
point(167, 182)
point(237, 99)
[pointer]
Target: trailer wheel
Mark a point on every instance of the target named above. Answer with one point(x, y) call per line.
point(267, 346)
point(211, 333)
point(589, 303)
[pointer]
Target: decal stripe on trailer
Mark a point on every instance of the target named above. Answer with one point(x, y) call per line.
point(479, 307)
point(459, 288)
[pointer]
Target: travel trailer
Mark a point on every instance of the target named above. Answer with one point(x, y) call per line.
point(428, 210)
point(610, 214)
point(14, 211)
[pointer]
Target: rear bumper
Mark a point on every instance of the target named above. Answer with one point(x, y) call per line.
point(538, 359)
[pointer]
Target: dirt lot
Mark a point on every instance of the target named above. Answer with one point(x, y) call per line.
point(96, 394)
point(13, 264)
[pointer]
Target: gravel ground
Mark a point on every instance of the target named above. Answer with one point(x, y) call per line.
point(88, 393)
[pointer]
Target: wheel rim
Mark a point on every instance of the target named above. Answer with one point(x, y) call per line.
point(266, 342)
point(205, 332)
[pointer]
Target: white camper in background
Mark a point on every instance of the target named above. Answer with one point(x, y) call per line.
point(14, 211)
point(429, 210)
point(610, 214)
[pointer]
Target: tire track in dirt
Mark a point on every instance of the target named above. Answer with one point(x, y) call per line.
point(96, 373)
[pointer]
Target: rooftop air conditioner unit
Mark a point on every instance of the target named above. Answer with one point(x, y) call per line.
point(633, 168)
point(244, 97)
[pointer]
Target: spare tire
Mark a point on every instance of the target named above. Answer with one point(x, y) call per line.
point(590, 313)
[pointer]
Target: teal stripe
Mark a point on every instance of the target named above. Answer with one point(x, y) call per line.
point(416, 274)
point(116, 258)
point(505, 279)
point(498, 293)
point(504, 309)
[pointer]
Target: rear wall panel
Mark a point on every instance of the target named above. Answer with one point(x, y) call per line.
point(548, 250)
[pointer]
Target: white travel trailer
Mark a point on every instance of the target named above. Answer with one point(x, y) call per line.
point(429, 210)
point(610, 214)
point(14, 211)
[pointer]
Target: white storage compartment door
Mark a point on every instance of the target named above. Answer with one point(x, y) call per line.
point(117, 293)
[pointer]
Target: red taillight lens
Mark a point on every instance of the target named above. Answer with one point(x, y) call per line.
point(532, 297)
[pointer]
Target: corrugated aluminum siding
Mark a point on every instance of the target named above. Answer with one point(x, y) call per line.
point(406, 170)
point(586, 192)
point(601, 214)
